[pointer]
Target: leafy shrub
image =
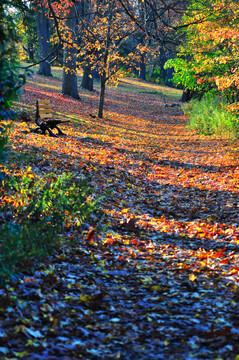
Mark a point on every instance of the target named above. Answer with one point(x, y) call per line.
point(10, 79)
point(207, 60)
point(209, 116)
point(10, 89)
point(3, 139)
point(40, 209)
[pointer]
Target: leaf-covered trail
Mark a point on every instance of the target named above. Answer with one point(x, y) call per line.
point(163, 281)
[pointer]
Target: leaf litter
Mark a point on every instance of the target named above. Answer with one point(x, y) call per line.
point(162, 281)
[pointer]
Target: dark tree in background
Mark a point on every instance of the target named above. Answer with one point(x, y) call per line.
point(159, 20)
point(69, 80)
point(43, 32)
point(29, 38)
point(87, 78)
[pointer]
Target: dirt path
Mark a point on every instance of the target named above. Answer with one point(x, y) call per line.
point(163, 281)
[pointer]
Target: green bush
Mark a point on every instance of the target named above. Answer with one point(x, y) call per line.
point(3, 140)
point(209, 116)
point(40, 209)
point(11, 80)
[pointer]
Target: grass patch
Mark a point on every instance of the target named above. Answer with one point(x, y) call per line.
point(35, 212)
point(143, 87)
point(209, 117)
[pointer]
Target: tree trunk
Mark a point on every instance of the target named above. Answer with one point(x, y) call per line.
point(162, 59)
point(186, 96)
point(87, 14)
point(142, 71)
point(102, 95)
point(167, 74)
point(87, 79)
point(96, 74)
point(69, 79)
point(103, 77)
point(43, 33)
point(30, 51)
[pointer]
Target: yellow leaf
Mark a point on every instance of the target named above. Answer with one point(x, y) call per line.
point(84, 298)
point(192, 277)
point(156, 287)
point(101, 263)
point(125, 211)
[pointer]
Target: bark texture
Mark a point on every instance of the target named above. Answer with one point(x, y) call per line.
point(69, 79)
point(87, 79)
point(43, 33)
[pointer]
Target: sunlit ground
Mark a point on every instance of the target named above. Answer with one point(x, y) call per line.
point(156, 275)
point(152, 169)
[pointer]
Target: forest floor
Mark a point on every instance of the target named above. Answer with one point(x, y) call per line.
point(162, 280)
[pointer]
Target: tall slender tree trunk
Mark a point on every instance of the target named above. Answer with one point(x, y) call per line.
point(103, 77)
point(142, 41)
point(43, 33)
point(168, 73)
point(69, 79)
point(87, 79)
point(142, 71)
point(102, 94)
point(31, 51)
point(162, 59)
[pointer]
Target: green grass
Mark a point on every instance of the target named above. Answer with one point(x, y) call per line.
point(38, 213)
point(144, 87)
point(209, 117)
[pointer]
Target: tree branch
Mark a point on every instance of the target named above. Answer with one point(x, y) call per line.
point(40, 61)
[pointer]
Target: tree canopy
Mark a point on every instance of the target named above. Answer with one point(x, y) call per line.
point(208, 58)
